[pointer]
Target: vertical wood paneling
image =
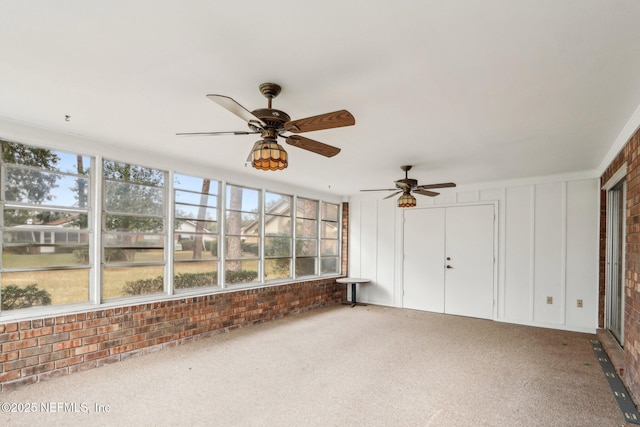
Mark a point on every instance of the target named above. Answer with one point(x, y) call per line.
point(543, 250)
point(355, 242)
point(385, 249)
point(468, 197)
point(548, 253)
point(369, 240)
point(582, 252)
point(518, 256)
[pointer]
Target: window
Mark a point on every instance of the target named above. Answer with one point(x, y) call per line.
point(329, 239)
point(306, 237)
point(45, 228)
point(242, 242)
point(133, 230)
point(49, 238)
point(278, 236)
point(195, 235)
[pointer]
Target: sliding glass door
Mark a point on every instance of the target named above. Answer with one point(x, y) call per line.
point(616, 215)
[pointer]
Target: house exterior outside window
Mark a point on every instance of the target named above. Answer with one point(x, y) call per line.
point(46, 235)
point(195, 236)
point(133, 233)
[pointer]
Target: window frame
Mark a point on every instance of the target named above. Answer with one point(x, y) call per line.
point(97, 210)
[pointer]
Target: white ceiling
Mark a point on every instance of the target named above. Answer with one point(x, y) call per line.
point(466, 91)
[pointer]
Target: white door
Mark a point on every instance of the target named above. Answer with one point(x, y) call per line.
point(461, 238)
point(469, 261)
point(423, 263)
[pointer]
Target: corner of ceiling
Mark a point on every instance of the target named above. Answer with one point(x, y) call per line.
point(629, 129)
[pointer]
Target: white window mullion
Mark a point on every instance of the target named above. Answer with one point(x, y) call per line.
point(169, 253)
point(222, 234)
point(95, 258)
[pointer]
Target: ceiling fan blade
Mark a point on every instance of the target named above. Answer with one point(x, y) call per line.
point(392, 194)
point(313, 146)
point(234, 107)
point(383, 189)
point(323, 121)
point(426, 193)
point(403, 185)
point(443, 185)
point(215, 133)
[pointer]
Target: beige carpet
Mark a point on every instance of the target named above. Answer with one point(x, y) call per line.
point(343, 366)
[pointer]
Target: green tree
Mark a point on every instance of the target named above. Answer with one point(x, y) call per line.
point(25, 184)
point(134, 199)
point(204, 198)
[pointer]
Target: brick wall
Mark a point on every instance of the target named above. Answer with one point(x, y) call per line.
point(631, 156)
point(41, 349)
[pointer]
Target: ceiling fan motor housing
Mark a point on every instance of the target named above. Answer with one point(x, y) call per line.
point(272, 118)
point(406, 182)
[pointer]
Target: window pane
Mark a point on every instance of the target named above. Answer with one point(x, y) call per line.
point(195, 184)
point(125, 223)
point(123, 197)
point(242, 247)
point(189, 275)
point(307, 209)
point(277, 268)
point(305, 266)
point(329, 247)
point(306, 247)
point(45, 188)
point(42, 288)
point(194, 226)
point(196, 198)
point(124, 172)
point(241, 272)
point(329, 230)
point(277, 225)
point(133, 256)
point(135, 280)
point(22, 255)
point(26, 220)
point(242, 199)
point(306, 228)
point(40, 240)
point(277, 204)
point(43, 158)
point(329, 212)
point(132, 240)
point(329, 265)
point(196, 246)
point(196, 212)
point(277, 247)
point(242, 223)
point(195, 232)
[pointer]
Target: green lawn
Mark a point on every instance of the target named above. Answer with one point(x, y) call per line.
point(72, 286)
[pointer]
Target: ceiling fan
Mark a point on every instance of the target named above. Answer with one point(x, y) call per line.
point(407, 185)
point(266, 153)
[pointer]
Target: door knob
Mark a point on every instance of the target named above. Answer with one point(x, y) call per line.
point(448, 266)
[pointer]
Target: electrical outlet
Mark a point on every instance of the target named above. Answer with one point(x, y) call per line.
point(579, 303)
point(549, 300)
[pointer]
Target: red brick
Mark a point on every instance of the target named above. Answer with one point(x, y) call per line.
point(69, 361)
point(63, 345)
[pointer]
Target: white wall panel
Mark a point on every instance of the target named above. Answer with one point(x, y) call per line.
point(355, 245)
point(582, 252)
point(468, 196)
point(547, 246)
point(548, 253)
point(369, 239)
point(518, 256)
point(381, 288)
